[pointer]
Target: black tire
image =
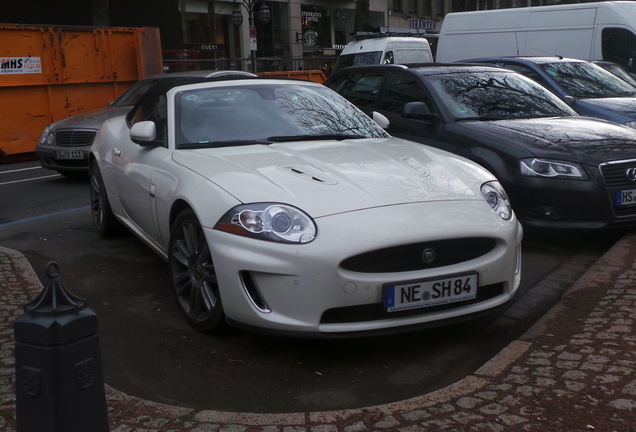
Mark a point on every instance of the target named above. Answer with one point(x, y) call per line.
point(105, 222)
point(193, 274)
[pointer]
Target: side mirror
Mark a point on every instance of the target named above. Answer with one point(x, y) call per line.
point(381, 120)
point(570, 101)
point(143, 133)
point(418, 111)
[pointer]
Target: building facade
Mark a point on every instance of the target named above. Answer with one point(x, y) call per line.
point(296, 34)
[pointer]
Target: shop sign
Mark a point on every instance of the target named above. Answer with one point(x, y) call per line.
point(20, 65)
point(423, 24)
point(310, 16)
point(209, 47)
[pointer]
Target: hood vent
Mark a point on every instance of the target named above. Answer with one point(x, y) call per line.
point(309, 174)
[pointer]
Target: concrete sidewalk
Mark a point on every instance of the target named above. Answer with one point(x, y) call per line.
point(574, 370)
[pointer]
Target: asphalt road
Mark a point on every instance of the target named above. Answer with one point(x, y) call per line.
point(149, 351)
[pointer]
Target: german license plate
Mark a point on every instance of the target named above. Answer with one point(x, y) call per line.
point(625, 197)
point(69, 154)
point(430, 292)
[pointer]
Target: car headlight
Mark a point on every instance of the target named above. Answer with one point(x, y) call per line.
point(46, 137)
point(496, 197)
point(534, 167)
point(267, 221)
point(631, 124)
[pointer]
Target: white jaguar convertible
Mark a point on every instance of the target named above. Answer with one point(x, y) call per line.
point(280, 207)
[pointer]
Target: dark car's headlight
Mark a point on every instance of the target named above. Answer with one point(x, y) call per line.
point(534, 167)
point(46, 137)
point(268, 221)
point(496, 197)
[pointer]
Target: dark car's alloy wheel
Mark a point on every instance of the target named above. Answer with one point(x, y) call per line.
point(103, 218)
point(193, 275)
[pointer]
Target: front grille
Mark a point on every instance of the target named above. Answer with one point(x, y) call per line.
point(74, 137)
point(616, 180)
point(410, 257)
point(614, 174)
point(376, 311)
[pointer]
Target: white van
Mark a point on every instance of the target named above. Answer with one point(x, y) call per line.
point(383, 50)
point(587, 31)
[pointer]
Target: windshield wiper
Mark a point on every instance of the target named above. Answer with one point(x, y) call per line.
point(481, 118)
point(339, 137)
point(214, 144)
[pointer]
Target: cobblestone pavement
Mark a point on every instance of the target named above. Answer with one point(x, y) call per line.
point(574, 370)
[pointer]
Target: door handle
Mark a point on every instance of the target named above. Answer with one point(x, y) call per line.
point(116, 151)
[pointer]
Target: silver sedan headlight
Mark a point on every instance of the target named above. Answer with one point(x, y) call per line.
point(46, 137)
point(269, 221)
point(534, 167)
point(496, 197)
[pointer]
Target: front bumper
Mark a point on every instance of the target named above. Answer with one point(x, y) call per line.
point(576, 204)
point(304, 289)
point(51, 158)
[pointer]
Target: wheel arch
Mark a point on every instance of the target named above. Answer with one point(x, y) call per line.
point(177, 208)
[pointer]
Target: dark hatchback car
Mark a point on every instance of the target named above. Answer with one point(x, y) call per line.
point(590, 89)
point(560, 170)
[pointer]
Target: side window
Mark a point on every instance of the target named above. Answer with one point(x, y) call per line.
point(152, 108)
point(388, 58)
point(400, 90)
point(619, 46)
point(526, 71)
point(361, 89)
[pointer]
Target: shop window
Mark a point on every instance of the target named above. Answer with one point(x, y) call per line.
point(412, 5)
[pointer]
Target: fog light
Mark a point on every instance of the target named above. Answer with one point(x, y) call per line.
point(551, 213)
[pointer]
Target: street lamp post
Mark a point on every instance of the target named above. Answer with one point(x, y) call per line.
point(264, 16)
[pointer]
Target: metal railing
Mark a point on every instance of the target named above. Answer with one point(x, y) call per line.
point(263, 64)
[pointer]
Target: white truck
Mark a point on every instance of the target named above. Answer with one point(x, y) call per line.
point(587, 31)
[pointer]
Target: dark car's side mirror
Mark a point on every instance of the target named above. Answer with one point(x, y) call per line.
point(570, 101)
point(418, 111)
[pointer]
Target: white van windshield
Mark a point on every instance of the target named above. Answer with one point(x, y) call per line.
point(365, 58)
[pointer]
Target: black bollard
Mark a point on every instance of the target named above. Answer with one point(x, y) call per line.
point(59, 380)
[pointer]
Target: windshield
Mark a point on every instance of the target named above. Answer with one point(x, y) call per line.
point(587, 80)
point(486, 95)
point(618, 70)
point(133, 94)
point(358, 59)
point(266, 113)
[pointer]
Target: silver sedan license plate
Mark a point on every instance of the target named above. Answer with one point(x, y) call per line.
point(430, 292)
point(69, 154)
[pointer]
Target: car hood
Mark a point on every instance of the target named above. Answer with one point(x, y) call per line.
point(578, 139)
point(625, 106)
point(328, 177)
point(91, 119)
